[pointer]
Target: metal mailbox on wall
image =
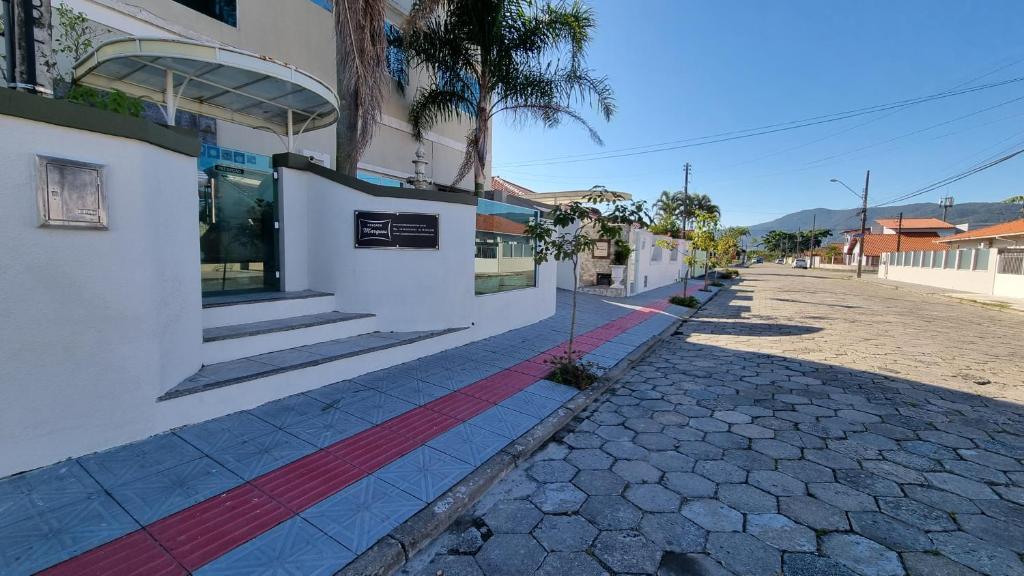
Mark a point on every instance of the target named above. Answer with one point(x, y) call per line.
point(70, 194)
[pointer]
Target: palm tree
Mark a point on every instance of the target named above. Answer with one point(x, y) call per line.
point(361, 62)
point(1019, 199)
point(668, 203)
point(525, 58)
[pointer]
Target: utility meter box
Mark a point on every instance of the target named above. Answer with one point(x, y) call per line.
point(70, 194)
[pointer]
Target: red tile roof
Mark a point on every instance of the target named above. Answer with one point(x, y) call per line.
point(1012, 228)
point(915, 223)
point(499, 224)
point(502, 185)
point(876, 244)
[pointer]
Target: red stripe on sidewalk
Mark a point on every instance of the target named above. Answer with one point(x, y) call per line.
point(308, 480)
point(135, 554)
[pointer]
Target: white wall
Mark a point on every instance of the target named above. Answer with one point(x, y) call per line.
point(977, 281)
point(96, 323)
point(1009, 285)
point(660, 272)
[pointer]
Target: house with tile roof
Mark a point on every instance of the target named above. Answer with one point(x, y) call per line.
point(895, 235)
point(986, 261)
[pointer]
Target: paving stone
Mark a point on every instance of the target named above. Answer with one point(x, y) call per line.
point(599, 482)
point(1003, 510)
point(868, 483)
point(911, 460)
point(945, 439)
point(744, 554)
point(608, 419)
point(842, 497)
point(732, 417)
point(812, 565)
point(814, 513)
point(806, 471)
point(747, 498)
point(752, 431)
point(1012, 493)
point(563, 563)
point(558, 498)
point(941, 500)
point(551, 451)
point(976, 471)
point(590, 459)
point(931, 564)
point(611, 513)
point(627, 551)
point(512, 517)
point(451, 566)
point(831, 459)
point(671, 531)
point(699, 450)
point(895, 472)
point(991, 459)
point(713, 515)
point(781, 532)
point(552, 471)
point(689, 484)
point(468, 542)
point(616, 433)
point(565, 533)
point(749, 460)
point(889, 532)
point(636, 471)
point(916, 514)
point(670, 418)
point(862, 555)
point(653, 498)
point(1004, 534)
point(978, 554)
point(727, 440)
point(928, 449)
point(655, 441)
point(776, 483)
point(959, 485)
point(775, 448)
point(646, 424)
point(625, 451)
point(668, 461)
point(720, 471)
point(510, 554)
point(584, 440)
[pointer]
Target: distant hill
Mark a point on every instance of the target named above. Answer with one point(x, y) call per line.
point(977, 214)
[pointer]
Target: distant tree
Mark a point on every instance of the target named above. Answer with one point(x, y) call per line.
point(831, 252)
point(704, 239)
point(1019, 199)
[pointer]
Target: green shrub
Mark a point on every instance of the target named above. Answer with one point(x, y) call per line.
point(572, 372)
point(687, 301)
point(115, 101)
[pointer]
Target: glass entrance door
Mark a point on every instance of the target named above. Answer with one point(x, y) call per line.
point(238, 230)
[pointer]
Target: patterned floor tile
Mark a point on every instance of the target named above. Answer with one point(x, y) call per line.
point(416, 391)
point(262, 454)
point(377, 407)
point(532, 404)
point(425, 472)
point(138, 459)
point(328, 427)
point(54, 535)
point(44, 489)
point(225, 431)
point(553, 390)
point(289, 410)
point(335, 393)
point(159, 495)
point(361, 514)
point(508, 423)
point(384, 379)
point(292, 547)
point(469, 443)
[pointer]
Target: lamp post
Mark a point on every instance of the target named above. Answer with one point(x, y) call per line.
point(863, 216)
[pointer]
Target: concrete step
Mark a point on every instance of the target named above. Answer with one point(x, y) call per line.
point(345, 354)
point(234, 309)
point(224, 343)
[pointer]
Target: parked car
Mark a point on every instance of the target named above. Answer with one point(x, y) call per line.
point(780, 261)
point(800, 263)
point(758, 260)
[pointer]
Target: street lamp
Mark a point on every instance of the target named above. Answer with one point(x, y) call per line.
point(838, 181)
point(863, 215)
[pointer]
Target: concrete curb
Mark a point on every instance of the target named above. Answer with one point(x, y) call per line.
point(390, 553)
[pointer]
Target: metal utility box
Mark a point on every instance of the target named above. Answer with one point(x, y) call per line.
point(70, 193)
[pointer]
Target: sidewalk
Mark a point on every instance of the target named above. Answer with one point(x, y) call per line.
point(310, 481)
point(1014, 304)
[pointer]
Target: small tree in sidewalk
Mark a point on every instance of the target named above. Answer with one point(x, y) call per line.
point(704, 239)
point(569, 231)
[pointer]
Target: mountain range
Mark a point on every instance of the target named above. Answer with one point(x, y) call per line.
point(976, 214)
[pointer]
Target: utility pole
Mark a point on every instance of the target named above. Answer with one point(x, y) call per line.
point(686, 202)
point(946, 203)
point(863, 223)
point(899, 231)
point(814, 224)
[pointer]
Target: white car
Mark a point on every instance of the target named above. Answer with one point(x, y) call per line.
point(800, 263)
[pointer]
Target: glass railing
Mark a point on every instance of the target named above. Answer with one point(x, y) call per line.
point(504, 254)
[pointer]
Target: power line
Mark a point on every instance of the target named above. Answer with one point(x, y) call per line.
point(951, 179)
point(760, 131)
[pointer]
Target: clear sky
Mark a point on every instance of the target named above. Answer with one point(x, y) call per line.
point(688, 68)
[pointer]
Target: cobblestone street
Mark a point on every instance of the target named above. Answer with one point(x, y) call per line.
point(803, 423)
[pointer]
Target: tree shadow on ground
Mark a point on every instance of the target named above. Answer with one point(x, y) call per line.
point(851, 306)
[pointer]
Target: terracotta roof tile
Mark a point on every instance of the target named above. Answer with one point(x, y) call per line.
point(915, 223)
point(502, 185)
point(876, 244)
point(1012, 228)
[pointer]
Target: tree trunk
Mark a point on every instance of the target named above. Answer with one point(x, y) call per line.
point(346, 159)
point(572, 315)
point(483, 135)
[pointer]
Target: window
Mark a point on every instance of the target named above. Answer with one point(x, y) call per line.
point(981, 259)
point(224, 10)
point(395, 58)
point(504, 255)
point(465, 81)
point(378, 179)
point(656, 253)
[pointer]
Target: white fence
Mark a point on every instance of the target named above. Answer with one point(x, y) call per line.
point(991, 271)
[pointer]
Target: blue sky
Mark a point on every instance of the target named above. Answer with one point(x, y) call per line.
point(684, 69)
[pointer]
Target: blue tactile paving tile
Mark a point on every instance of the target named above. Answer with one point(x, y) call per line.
point(139, 459)
point(335, 393)
point(51, 536)
point(289, 410)
point(294, 547)
point(262, 454)
point(425, 472)
point(552, 390)
point(501, 420)
point(224, 431)
point(328, 427)
point(377, 407)
point(44, 489)
point(416, 391)
point(362, 513)
point(531, 404)
point(469, 443)
point(157, 496)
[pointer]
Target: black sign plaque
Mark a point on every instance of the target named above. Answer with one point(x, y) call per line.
point(396, 230)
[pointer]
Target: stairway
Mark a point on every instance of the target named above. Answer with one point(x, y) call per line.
point(250, 337)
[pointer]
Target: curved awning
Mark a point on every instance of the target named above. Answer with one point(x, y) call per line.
point(213, 80)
